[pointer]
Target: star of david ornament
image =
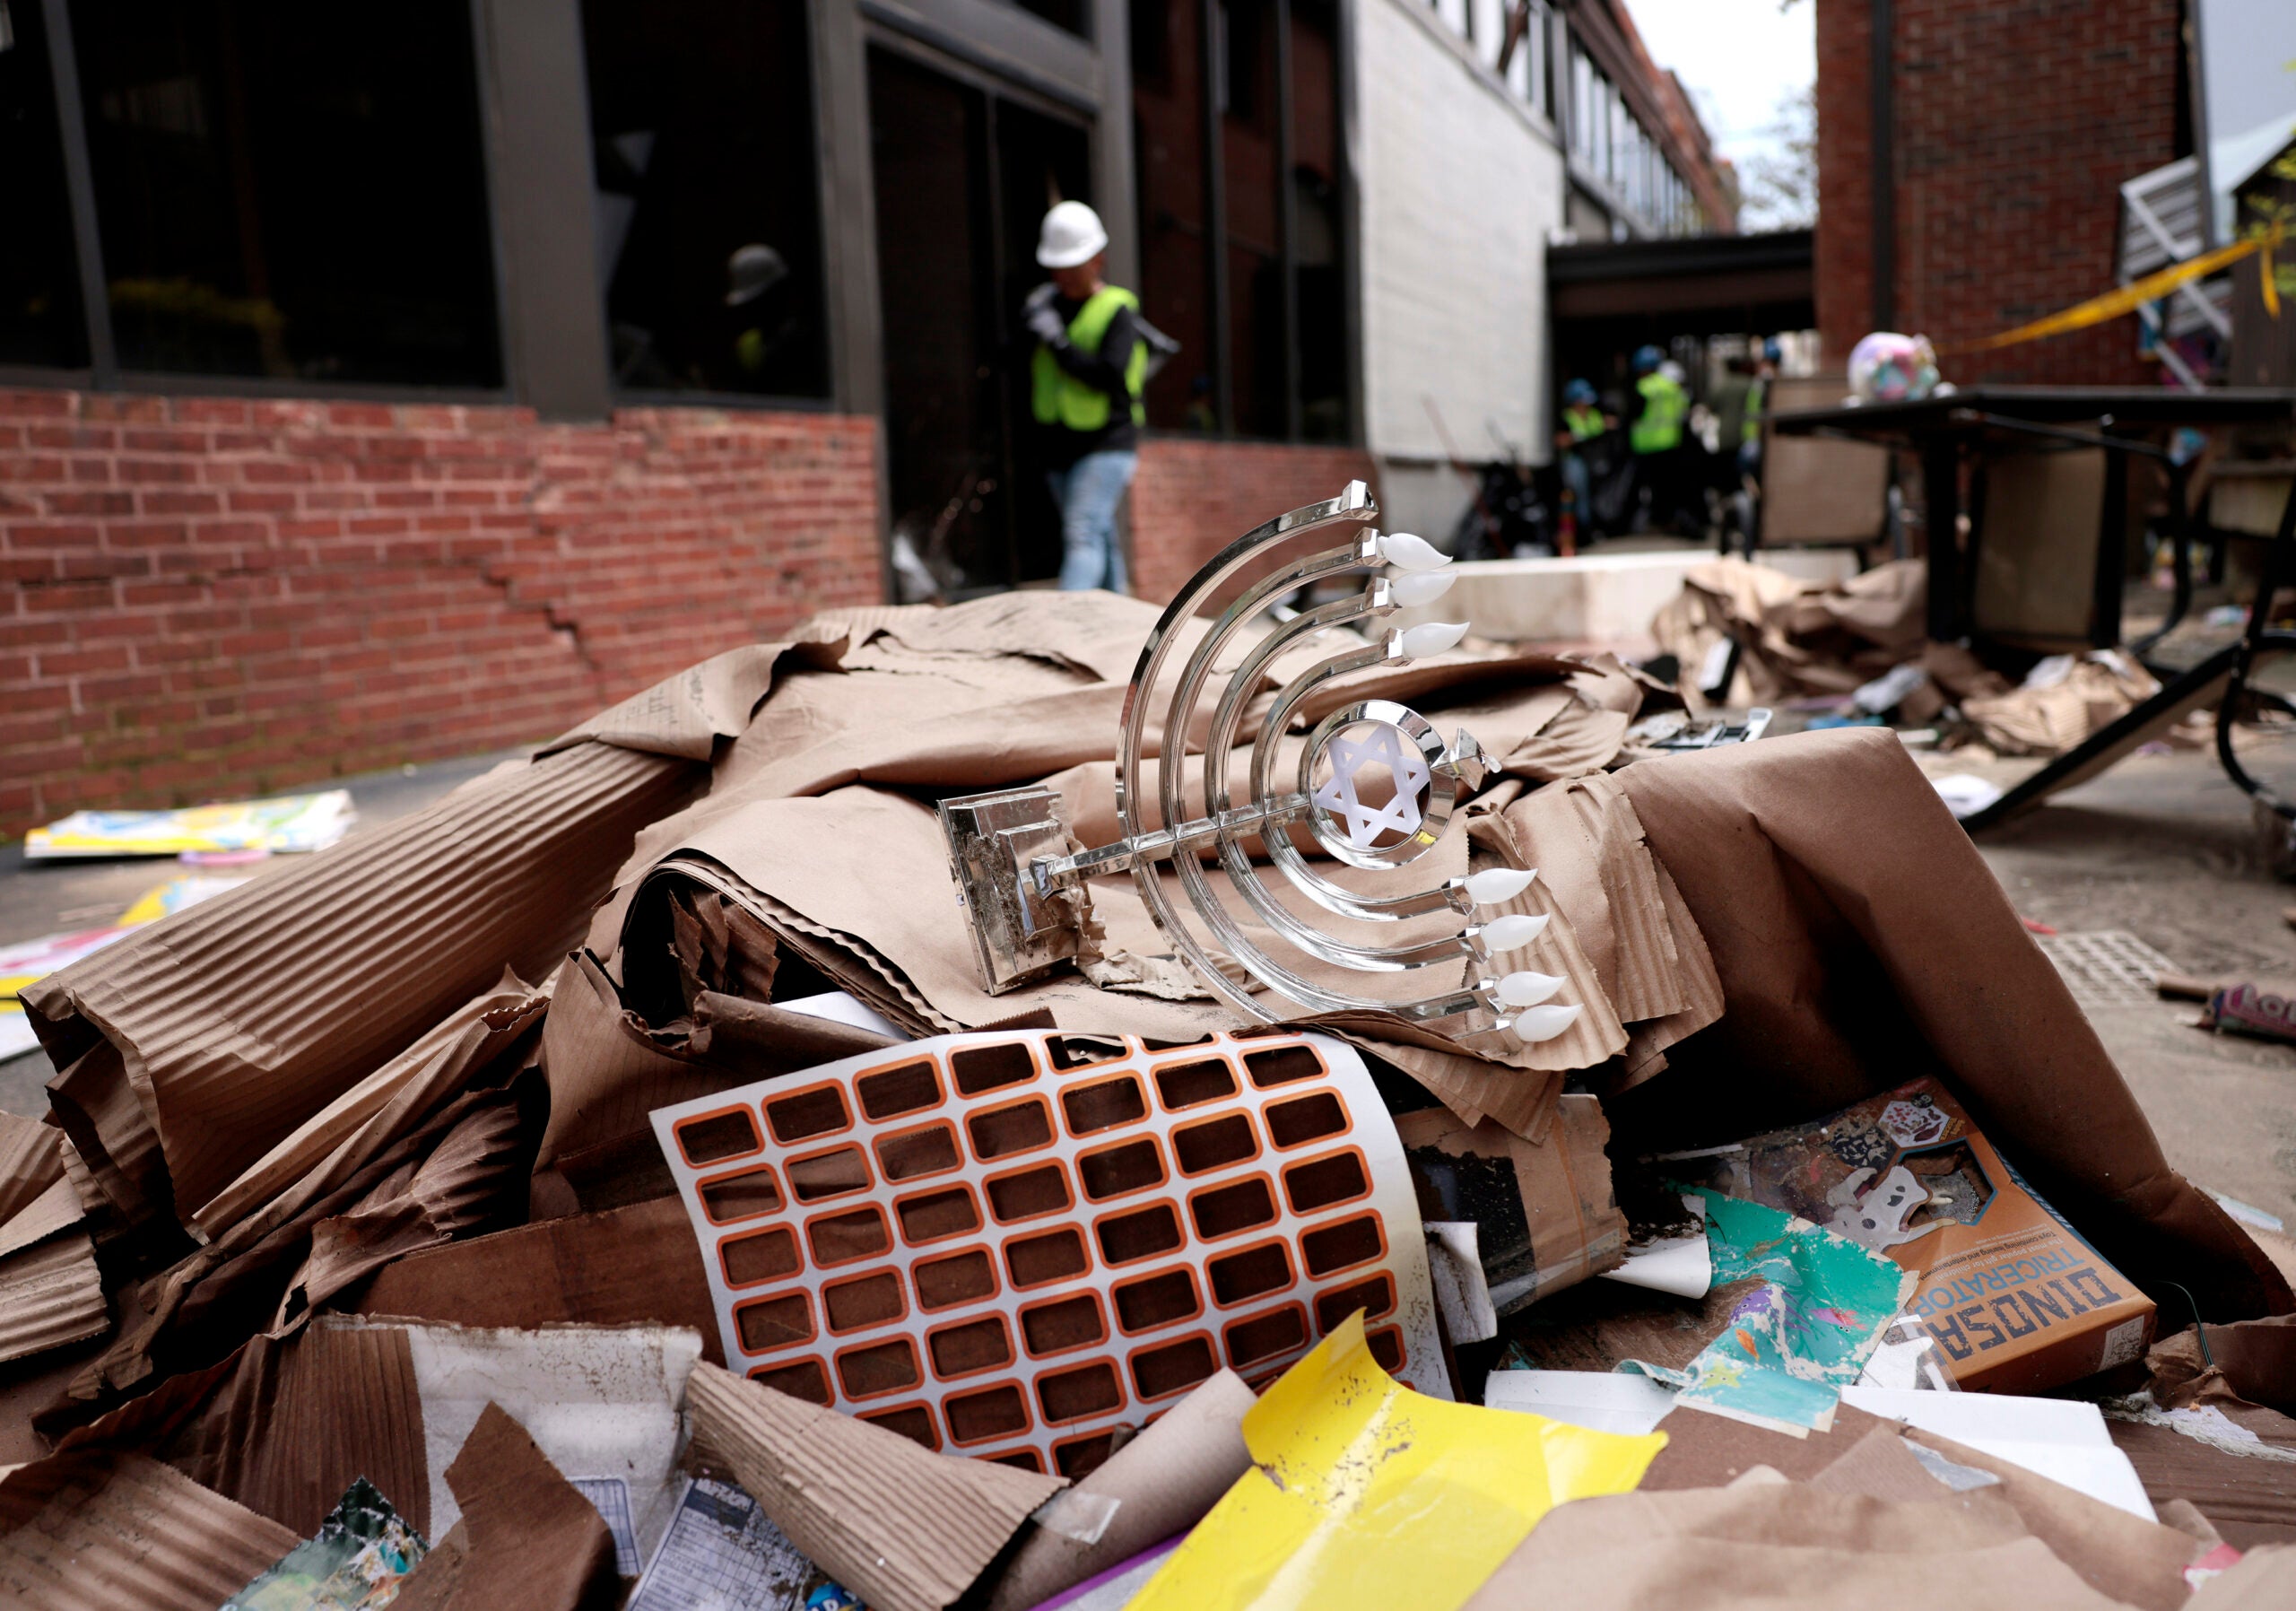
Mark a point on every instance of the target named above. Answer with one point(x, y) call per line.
point(1353, 759)
point(1021, 881)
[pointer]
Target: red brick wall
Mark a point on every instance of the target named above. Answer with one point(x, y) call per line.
point(1193, 496)
point(203, 597)
point(2017, 120)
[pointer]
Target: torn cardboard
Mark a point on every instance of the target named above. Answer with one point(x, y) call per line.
point(390, 932)
point(527, 1537)
point(907, 1529)
point(104, 1531)
point(1157, 1486)
point(30, 1161)
point(1785, 1545)
point(1545, 1214)
point(50, 1294)
point(633, 1266)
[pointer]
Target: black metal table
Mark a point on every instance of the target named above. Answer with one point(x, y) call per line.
point(1948, 432)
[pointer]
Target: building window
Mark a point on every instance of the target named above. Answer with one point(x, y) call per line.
point(708, 213)
point(1250, 161)
point(1168, 57)
point(1240, 259)
point(1320, 288)
point(40, 319)
point(290, 191)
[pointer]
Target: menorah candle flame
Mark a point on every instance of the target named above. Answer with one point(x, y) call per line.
point(1022, 886)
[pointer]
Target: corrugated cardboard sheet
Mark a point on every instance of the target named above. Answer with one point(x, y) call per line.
point(102, 1531)
point(50, 1211)
point(1161, 1484)
point(30, 1161)
point(905, 1529)
point(1782, 1545)
point(50, 1294)
point(257, 1273)
point(625, 1266)
point(224, 1049)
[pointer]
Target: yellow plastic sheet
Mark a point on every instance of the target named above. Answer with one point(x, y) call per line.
point(1364, 1492)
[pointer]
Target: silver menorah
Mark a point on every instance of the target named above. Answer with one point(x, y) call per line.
point(1022, 884)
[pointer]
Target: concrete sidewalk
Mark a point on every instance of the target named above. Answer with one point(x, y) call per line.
point(44, 898)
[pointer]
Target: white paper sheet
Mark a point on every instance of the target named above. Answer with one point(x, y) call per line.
point(599, 1401)
point(1454, 1265)
point(1619, 1401)
point(1680, 1265)
point(2064, 1440)
point(840, 1008)
point(719, 1553)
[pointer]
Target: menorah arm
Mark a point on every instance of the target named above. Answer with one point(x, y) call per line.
point(1054, 872)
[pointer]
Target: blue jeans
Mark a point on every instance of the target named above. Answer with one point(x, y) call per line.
point(1086, 494)
point(1575, 479)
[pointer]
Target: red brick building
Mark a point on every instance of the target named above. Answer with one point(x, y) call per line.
point(201, 596)
point(1992, 197)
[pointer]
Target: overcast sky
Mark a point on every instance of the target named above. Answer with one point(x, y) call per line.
point(1738, 58)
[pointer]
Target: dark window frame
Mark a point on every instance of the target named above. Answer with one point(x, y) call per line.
point(1219, 316)
point(835, 244)
point(104, 370)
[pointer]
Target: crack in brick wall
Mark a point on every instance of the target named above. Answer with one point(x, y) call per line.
point(207, 597)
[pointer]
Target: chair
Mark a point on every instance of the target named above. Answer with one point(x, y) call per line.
point(2038, 519)
point(1819, 492)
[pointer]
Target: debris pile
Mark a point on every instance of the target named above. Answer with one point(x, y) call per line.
point(619, 1184)
point(1856, 652)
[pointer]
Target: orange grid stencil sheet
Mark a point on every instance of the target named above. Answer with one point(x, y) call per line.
point(1011, 1245)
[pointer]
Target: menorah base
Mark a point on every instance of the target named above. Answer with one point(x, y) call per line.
point(1020, 932)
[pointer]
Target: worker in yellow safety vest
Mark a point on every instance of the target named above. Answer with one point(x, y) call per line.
point(1655, 436)
point(1765, 367)
point(1583, 420)
point(1085, 377)
point(1658, 427)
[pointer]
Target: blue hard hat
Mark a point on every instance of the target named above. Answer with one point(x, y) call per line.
point(1648, 358)
point(1579, 394)
point(1770, 350)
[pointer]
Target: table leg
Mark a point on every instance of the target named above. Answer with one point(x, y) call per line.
point(1941, 512)
point(2112, 555)
point(2181, 522)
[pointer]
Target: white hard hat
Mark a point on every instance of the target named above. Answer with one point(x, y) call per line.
point(751, 271)
point(1071, 235)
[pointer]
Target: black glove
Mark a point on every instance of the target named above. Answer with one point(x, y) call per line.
point(1046, 325)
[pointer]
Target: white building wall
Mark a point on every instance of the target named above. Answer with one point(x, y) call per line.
point(1460, 185)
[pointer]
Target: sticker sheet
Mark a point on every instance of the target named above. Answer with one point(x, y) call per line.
point(1012, 1244)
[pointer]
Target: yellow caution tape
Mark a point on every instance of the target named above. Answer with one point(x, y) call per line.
point(2130, 298)
point(1364, 1492)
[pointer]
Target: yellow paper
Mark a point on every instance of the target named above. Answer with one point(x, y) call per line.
point(1364, 1492)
